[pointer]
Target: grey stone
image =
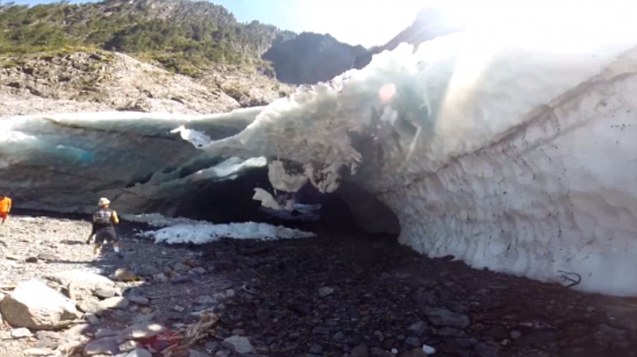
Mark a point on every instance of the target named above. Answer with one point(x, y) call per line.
point(43, 334)
point(120, 316)
point(34, 305)
point(90, 306)
point(105, 332)
point(139, 300)
point(195, 353)
point(76, 330)
point(417, 328)
point(316, 348)
point(416, 352)
point(379, 352)
point(223, 353)
point(139, 352)
point(144, 317)
point(128, 346)
point(181, 268)
point(47, 256)
point(102, 346)
point(124, 275)
point(140, 330)
point(239, 344)
point(515, 334)
point(412, 341)
point(180, 279)
point(325, 291)
point(360, 351)
point(466, 343)
point(21, 332)
point(105, 291)
point(450, 332)
point(320, 330)
point(206, 300)
point(148, 270)
point(117, 302)
point(486, 349)
point(199, 270)
point(82, 279)
point(38, 352)
point(92, 319)
point(444, 317)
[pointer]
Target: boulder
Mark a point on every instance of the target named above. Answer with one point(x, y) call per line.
point(36, 306)
point(140, 330)
point(239, 344)
point(124, 275)
point(103, 346)
point(79, 279)
point(117, 302)
point(444, 317)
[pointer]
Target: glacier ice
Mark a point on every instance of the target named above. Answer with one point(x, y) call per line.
point(505, 154)
point(522, 163)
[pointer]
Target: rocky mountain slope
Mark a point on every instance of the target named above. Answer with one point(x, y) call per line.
point(47, 53)
point(94, 80)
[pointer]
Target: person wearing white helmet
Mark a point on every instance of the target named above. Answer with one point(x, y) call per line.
point(104, 221)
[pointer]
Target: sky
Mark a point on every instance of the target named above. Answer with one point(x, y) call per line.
point(364, 22)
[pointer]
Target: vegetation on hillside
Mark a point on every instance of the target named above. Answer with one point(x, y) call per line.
point(181, 35)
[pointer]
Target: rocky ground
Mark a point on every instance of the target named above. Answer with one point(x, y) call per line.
point(334, 295)
point(95, 80)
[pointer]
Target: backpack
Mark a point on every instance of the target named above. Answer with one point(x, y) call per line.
point(103, 216)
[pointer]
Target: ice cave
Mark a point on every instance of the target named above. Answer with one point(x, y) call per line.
point(510, 153)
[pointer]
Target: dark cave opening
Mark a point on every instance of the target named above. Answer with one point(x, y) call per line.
point(349, 210)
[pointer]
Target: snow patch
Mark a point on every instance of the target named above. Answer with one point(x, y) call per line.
point(201, 233)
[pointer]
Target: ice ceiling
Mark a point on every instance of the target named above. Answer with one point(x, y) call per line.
point(506, 154)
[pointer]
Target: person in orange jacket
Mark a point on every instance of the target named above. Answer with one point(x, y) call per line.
point(5, 207)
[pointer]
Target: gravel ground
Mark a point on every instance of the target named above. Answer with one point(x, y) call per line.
point(334, 295)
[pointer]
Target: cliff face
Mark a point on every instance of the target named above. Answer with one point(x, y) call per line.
point(311, 58)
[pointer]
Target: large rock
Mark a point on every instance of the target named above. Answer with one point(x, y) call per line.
point(239, 344)
point(82, 280)
point(140, 330)
point(36, 306)
point(444, 317)
point(106, 345)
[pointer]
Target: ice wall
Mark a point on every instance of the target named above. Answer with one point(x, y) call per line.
point(503, 156)
point(64, 162)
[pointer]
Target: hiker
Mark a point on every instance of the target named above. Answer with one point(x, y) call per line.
point(104, 221)
point(5, 207)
